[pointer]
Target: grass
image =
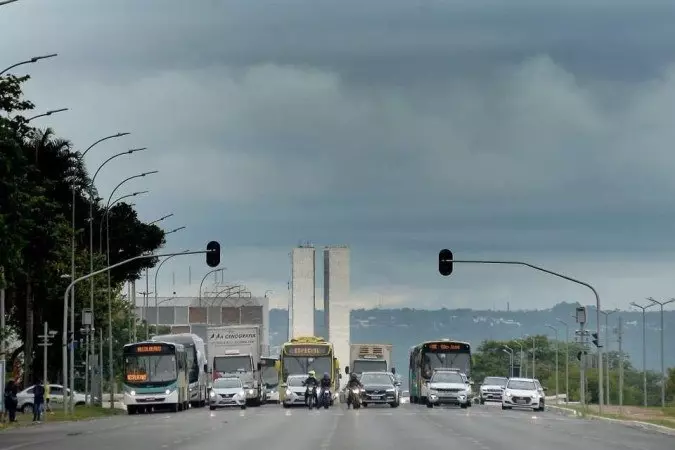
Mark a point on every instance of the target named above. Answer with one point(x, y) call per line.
point(80, 413)
point(654, 415)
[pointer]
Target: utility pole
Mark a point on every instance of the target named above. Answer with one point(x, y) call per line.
point(567, 360)
point(620, 339)
point(87, 328)
point(644, 349)
point(46, 336)
point(581, 320)
point(606, 334)
point(664, 380)
point(557, 352)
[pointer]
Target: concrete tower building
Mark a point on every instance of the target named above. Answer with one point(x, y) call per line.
point(337, 306)
point(303, 292)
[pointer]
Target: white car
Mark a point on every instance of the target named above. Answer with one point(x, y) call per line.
point(523, 393)
point(273, 394)
point(448, 388)
point(491, 389)
point(227, 391)
point(56, 398)
point(294, 391)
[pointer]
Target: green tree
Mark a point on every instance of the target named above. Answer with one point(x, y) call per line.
point(38, 174)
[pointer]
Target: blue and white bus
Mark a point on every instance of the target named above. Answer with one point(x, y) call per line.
point(155, 376)
point(197, 364)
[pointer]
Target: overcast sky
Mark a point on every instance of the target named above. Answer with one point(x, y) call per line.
point(533, 130)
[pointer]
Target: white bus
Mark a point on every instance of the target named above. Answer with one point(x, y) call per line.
point(197, 375)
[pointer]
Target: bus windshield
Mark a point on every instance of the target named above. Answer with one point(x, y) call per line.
point(301, 364)
point(232, 364)
point(436, 360)
point(270, 376)
point(150, 368)
point(366, 365)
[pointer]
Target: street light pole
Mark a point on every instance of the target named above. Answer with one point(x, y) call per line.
point(508, 350)
point(567, 360)
point(644, 349)
point(156, 298)
point(90, 351)
point(111, 375)
point(160, 219)
point(606, 334)
point(34, 59)
point(520, 367)
point(663, 367)
point(557, 351)
point(48, 113)
point(202, 283)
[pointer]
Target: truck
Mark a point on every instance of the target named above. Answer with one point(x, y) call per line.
point(235, 350)
point(369, 358)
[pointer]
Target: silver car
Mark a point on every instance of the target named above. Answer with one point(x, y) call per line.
point(294, 391)
point(227, 391)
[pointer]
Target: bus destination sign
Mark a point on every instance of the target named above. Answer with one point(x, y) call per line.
point(151, 348)
point(448, 347)
point(138, 376)
point(307, 350)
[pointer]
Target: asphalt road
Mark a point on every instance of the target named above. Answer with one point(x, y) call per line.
point(407, 427)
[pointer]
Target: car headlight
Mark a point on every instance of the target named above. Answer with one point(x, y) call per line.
point(212, 394)
point(132, 393)
point(288, 392)
point(192, 388)
point(507, 394)
point(391, 391)
point(250, 391)
point(242, 394)
point(167, 392)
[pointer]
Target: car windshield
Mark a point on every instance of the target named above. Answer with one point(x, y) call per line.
point(524, 385)
point(495, 381)
point(226, 383)
point(447, 377)
point(376, 378)
point(295, 381)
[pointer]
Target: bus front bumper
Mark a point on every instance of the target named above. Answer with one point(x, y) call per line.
point(168, 397)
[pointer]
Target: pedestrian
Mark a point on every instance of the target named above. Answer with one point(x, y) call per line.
point(11, 400)
point(38, 400)
point(48, 406)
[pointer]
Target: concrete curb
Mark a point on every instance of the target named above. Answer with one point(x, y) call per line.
point(630, 423)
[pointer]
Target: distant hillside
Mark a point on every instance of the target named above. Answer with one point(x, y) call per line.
point(406, 327)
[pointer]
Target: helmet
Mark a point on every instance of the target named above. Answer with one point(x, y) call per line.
point(353, 376)
point(312, 373)
point(326, 376)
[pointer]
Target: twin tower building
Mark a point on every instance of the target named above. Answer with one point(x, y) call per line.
point(336, 305)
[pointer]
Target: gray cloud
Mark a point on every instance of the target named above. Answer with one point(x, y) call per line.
point(397, 127)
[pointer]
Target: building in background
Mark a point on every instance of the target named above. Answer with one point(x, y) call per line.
point(303, 291)
point(184, 315)
point(336, 286)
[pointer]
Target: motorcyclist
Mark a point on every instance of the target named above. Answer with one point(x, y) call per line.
point(309, 383)
point(353, 383)
point(325, 383)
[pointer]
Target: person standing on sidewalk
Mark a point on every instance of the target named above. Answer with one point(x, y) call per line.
point(38, 400)
point(48, 406)
point(11, 401)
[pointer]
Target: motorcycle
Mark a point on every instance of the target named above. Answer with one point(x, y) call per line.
point(354, 398)
point(325, 399)
point(311, 397)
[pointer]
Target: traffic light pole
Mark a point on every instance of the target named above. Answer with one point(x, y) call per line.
point(208, 252)
point(555, 274)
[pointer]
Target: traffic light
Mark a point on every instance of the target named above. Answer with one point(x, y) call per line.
point(213, 254)
point(596, 340)
point(445, 262)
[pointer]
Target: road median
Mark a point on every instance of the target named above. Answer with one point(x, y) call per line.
point(654, 419)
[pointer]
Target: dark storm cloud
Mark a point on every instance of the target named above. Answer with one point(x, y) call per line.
point(395, 126)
